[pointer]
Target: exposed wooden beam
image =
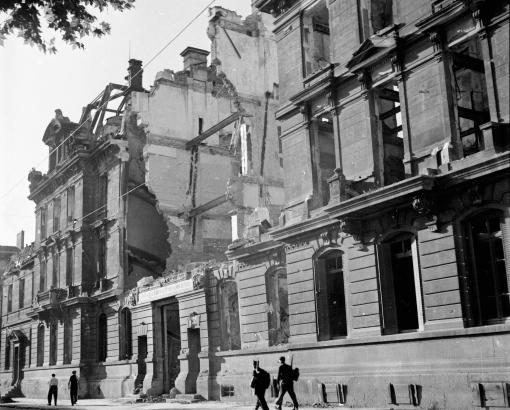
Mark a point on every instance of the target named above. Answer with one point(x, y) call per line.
point(215, 128)
point(465, 61)
point(389, 113)
point(208, 205)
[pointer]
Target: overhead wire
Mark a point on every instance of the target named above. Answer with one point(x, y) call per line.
point(175, 37)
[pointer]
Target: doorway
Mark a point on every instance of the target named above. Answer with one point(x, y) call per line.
point(15, 366)
point(142, 365)
point(193, 360)
point(171, 344)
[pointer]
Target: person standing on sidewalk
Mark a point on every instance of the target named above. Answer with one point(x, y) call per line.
point(286, 381)
point(260, 382)
point(53, 389)
point(72, 384)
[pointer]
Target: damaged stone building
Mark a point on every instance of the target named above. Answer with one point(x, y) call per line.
point(143, 195)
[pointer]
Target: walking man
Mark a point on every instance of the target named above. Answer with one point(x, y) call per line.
point(72, 384)
point(286, 381)
point(260, 383)
point(53, 390)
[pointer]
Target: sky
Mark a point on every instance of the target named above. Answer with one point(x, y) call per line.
point(34, 84)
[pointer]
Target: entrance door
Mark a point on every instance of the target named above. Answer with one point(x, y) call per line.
point(193, 360)
point(171, 344)
point(15, 366)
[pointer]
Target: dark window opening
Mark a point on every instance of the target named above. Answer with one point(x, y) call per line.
point(69, 266)
point(9, 299)
point(470, 94)
point(53, 344)
point(102, 329)
point(126, 342)
point(487, 268)
point(40, 345)
point(43, 222)
point(7, 364)
point(398, 284)
point(315, 39)
point(101, 257)
point(21, 296)
point(102, 196)
point(330, 296)
point(56, 214)
point(228, 305)
point(68, 340)
point(390, 127)
point(277, 306)
point(280, 146)
point(70, 204)
point(42, 276)
point(55, 270)
point(227, 390)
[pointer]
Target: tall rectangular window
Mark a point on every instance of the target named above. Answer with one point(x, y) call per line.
point(43, 222)
point(9, 298)
point(102, 196)
point(101, 257)
point(68, 340)
point(55, 270)
point(69, 266)
point(315, 38)
point(70, 205)
point(56, 214)
point(42, 276)
point(53, 344)
point(21, 293)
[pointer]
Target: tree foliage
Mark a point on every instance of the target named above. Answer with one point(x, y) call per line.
point(71, 19)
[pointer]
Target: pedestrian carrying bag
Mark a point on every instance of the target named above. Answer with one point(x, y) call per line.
point(295, 374)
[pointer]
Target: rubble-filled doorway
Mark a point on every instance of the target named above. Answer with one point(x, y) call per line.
point(171, 343)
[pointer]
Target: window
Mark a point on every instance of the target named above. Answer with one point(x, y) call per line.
point(68, 339)
point(9, 298)
point(277, 306)
point(488, 277)
point(40, 345)
point(7, 363)
point(470, 93)
point(102, 329)
point(43, 222)
point(21, 296)
point(390, 131)
point(69, 266)
point(56, 214)
point(228, 305)
point(53, 343)
point(42, 277)
point(400, 284)
point(102, 196)
point(101, 257)
point(126, 342)
point(330, 296)
point(55, 269)
point(246, 150)
point(315, 39)
point(70, 205)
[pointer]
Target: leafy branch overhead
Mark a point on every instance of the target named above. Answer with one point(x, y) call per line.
point(72, 19)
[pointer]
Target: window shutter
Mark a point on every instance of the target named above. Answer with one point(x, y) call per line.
point(387, 291)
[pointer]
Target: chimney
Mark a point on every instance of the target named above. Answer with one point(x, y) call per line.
point(194, 57)
point(135, 73)
point(20, 240)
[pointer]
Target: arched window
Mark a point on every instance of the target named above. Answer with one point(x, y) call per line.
point(487, 271)
point(53, 343)
point(125, 340)
point(40, 345)
point(228, 305)
point(102, 329)
point(400, 284)
point(330, 296)
point(277, 306)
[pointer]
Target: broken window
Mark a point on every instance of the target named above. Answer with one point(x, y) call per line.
point(42, 275)
point(487, 267)
point(322, 150)
point(53, 343)
point(70, 204)
point(400, 284)
point(21, 296)
point(277, 306)
point(315, 38)
point(126, 343)
point(40, 345)
point(228, 305)
point(68, 339)
point(470, 90)
point(56, 214)
point(55, 269)
point(69, 266)
point(390, 129)
point(330, 296)
point(102, 346)
point(9, 298)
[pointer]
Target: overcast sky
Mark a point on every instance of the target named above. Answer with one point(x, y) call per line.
point(33, 85)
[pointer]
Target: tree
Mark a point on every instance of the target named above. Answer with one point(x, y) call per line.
point(72, 19)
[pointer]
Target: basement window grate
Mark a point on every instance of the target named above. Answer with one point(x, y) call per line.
point(227, 390)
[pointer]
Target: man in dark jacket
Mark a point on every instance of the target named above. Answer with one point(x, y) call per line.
point(260, 382)
point(286, 380)
point(72, 384)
